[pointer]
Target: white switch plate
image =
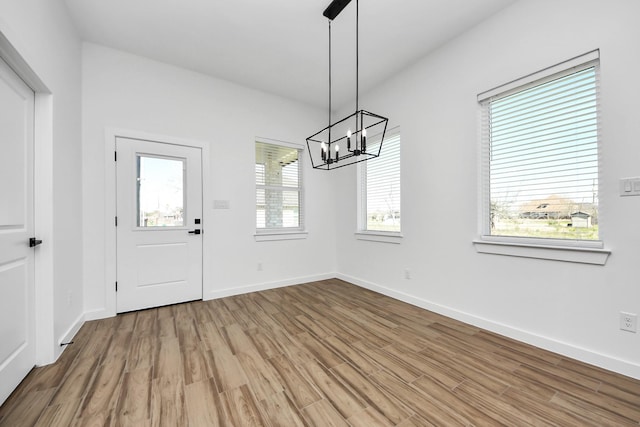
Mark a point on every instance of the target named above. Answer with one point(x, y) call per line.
point(628, 322)
point(630, 186)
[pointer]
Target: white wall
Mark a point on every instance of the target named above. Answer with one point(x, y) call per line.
point(43, 35)
point(124, 91)
point(566, 307)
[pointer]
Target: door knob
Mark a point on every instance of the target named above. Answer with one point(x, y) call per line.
point(196, 231)
point(33, 242)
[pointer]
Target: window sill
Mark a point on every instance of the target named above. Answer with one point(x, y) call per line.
point(379, 236)
point(582, 255)
point(280, 235)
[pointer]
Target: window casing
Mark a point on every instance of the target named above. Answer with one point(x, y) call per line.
point(540, 157)
point(279, 190)
point(379, 189)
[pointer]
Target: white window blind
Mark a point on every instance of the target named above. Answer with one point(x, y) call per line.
point(278, 188)
point(541, 160)
point(380, 187)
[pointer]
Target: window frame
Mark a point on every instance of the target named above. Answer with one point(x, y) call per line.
point(362, 233)
point(580, 251)
point(282, 233)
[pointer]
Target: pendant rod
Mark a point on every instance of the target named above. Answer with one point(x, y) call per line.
point(357, 57)
point(329, 140)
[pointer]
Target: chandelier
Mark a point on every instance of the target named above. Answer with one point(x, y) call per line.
point(355, 138)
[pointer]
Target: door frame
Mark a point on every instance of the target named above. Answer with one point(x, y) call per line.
point(111, 259)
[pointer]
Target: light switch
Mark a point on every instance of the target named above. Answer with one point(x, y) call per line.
point(221, 204)
point(630, 186)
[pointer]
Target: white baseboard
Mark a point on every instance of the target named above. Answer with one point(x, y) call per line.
point(100, 313)
point(221, 293)
point(611, 363)
point(67, 337)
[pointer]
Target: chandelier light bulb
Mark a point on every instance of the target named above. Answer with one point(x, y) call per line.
point(364, 141)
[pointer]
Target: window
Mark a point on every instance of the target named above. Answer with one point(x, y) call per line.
point(540, 138)
point(380, 188)
point(278, 188)
point(160, 198)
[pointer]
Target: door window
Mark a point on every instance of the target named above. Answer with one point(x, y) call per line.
point(160, 195)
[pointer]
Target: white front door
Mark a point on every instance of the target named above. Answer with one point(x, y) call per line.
point(159, 224)
point(17, 294)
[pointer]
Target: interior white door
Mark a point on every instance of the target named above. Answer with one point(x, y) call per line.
point(17, 294)
point(159, 224)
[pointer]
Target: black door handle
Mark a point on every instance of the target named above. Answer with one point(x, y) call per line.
point(33, 242)
point(196, 231)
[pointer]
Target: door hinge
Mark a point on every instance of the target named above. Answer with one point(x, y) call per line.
point(116, 286)
point(115, 156)
point(116, 221)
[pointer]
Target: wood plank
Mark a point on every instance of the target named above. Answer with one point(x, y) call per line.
point(322, 414)
point(369, 418)
point(168, 405)
point(341, 397)
point(28, 409)
point(301, 391)
point(118, 347)
point(266, 345)
point(350, 354)
point(198, 365)
point(281, 411)
point(374, 396)
point(168, 358)
point(419, 402)
point(490, 403)
point(142, 352)
point(238, 340)
point(599, 412)
point(227, 370)
point(146, 323)
point(56, 415)
point(203, 404)
point(77, 381)
point(447, 398)
point(261, 375)
point(388, 362)
point(103, 394)
point(241, 409)
point(134, 403)
point(320, 351)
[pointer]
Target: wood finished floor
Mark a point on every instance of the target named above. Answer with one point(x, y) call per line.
point(320, 354)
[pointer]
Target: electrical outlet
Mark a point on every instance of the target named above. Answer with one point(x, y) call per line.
point(628, 322)
point(259, 266)
point(407, 274)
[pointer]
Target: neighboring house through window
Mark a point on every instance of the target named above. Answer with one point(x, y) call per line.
point(278, 188)
point(540, 142)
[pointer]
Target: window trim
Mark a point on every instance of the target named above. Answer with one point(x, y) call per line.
point(580, 251)
point(375, 235)
point(525, 249)
point(285, 233)
point(380, 236)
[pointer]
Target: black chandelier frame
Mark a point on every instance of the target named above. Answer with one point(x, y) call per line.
point(324, 145)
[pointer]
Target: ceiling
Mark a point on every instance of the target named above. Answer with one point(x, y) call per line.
point(281, 46)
